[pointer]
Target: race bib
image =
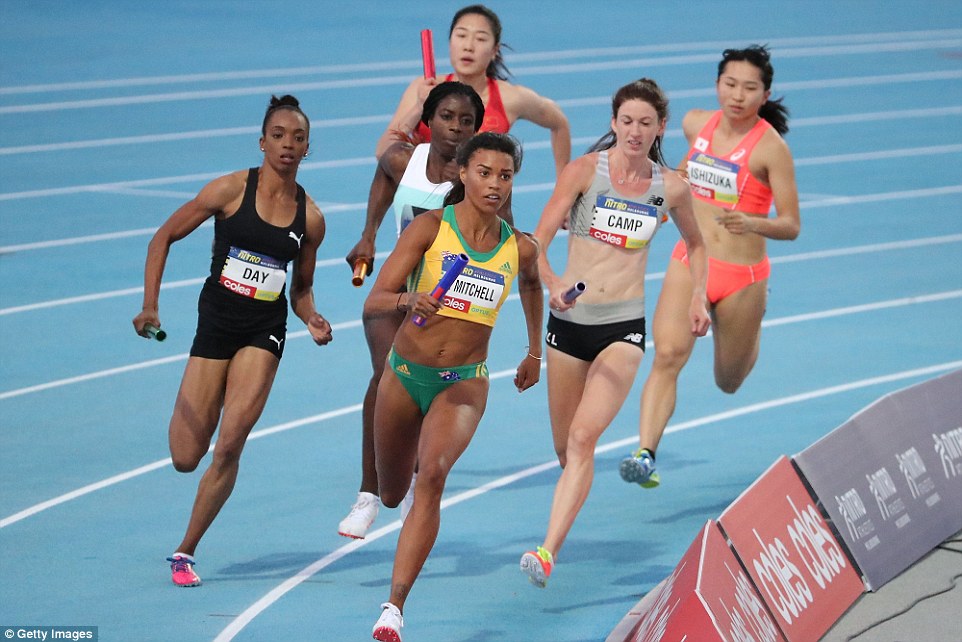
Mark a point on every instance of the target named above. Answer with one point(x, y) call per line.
point(476, 291)
point(623, 223)
point(713, 178)
point(256, 276)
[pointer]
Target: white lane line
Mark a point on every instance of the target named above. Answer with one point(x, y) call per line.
point(327, 208)
point(509, 56)
point(163, 463)
point(369, 160)
point(881, 305)
point(172, 180)
point(895, 46)
point(116, 479)
point(258, 607)
point(78, 240)
point(176, 136)
point(805, 205)
point(931, 112)
point(859, 157)
point(100, 374)
point(171, 285)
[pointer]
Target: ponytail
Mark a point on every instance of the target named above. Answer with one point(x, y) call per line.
point(776, 114)
point(455, 194)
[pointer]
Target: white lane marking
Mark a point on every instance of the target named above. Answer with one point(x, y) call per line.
point(251, 612)
point(37, 508)
point(509, 56)
point(540, 70)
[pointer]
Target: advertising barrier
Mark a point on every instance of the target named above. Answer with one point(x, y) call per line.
point(798, 566)
point(891, 476)
point(889, 481)
point(707, 597)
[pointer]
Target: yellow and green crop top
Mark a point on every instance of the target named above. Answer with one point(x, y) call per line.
point(483, 286)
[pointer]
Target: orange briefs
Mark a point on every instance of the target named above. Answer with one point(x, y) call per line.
point(724, 278)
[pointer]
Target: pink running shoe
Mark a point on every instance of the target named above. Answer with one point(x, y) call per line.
point(182, 570)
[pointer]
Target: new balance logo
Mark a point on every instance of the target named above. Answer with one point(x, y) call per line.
point(506, 267)
point(276, 340)
point(634, 337)
point(296, 238)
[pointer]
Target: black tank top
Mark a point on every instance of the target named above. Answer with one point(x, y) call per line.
point(250, 256)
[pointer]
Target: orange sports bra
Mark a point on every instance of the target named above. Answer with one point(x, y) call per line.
point(725, 181)
point(495, 118)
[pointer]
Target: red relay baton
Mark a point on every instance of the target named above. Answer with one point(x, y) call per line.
point(427, 53)
point(446, 281)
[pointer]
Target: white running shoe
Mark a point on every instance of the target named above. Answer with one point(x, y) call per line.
point(388, 626)
point(408, 500)
point(362, 515)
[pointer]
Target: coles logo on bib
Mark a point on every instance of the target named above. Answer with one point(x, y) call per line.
point(623, 223)
point(256, 276)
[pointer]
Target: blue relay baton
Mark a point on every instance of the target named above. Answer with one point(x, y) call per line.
point(574, 292)
point(446, 281)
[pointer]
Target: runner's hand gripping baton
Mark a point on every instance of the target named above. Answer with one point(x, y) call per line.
point(574, 292)
point(427, 53)
point(360, 271)
point(153, 332)
point(446, 281)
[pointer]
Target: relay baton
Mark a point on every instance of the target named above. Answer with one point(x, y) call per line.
point(574, 292)
point(427, 53)
point(446, 281)
point(153, 332)
point(360, 271)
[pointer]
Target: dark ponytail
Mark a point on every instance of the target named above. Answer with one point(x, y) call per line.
point(776, 114)
point(455, 194)
point(758, 55)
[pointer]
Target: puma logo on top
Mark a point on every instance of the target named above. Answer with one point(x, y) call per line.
point(296, 238)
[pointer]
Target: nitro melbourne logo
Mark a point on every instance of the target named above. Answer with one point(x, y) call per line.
point(916, 476)
point(886, 494)
point(852, 508)
point(948, 446)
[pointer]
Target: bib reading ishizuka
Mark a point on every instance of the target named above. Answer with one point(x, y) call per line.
point(713, 178)
point(256, 276)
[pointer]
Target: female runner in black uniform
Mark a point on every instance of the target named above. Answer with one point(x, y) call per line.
point(263, 221)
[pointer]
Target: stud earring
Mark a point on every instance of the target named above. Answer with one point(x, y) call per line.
point(262, 149)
